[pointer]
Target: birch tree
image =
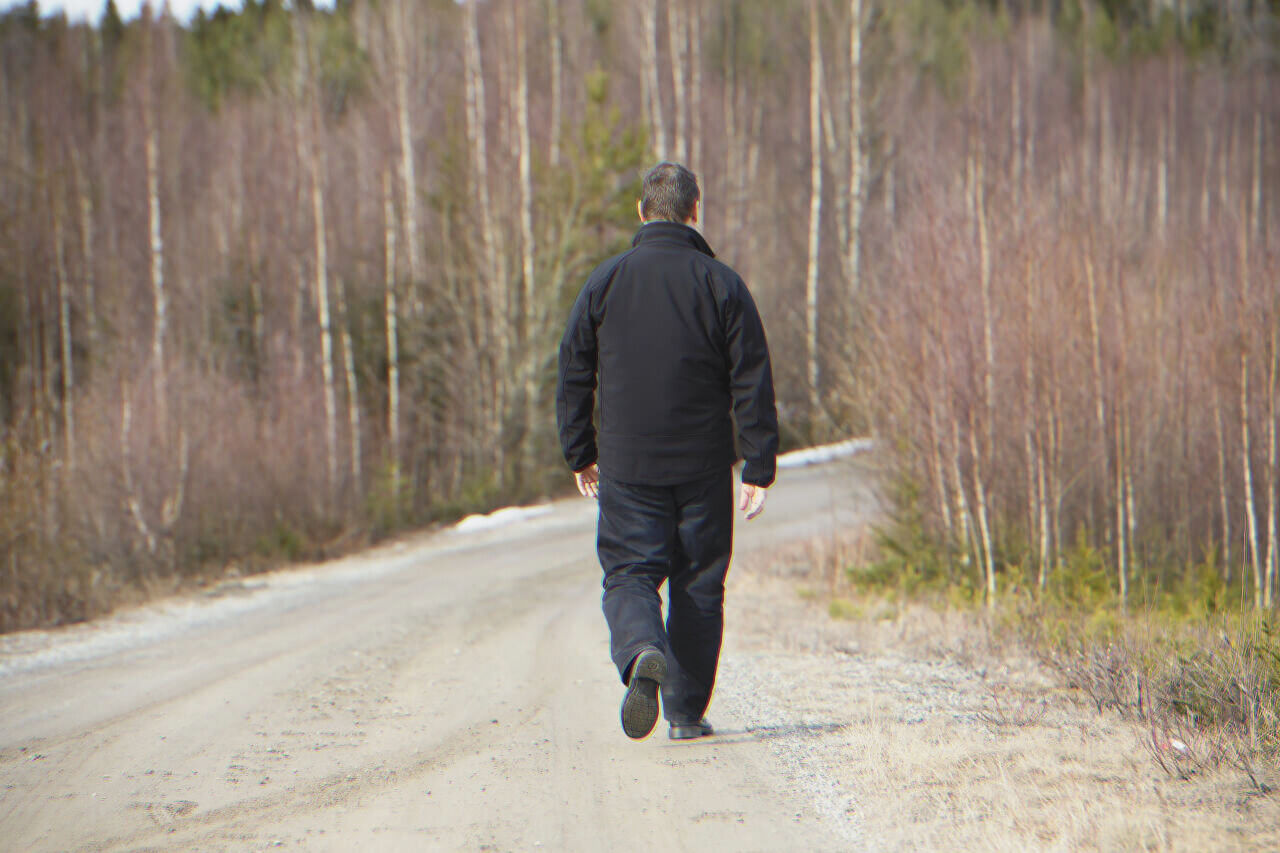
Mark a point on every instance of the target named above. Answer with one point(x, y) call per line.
point(391, 321)
point(557, 83)
point(64, 335)
point(649, 59)
point(307, 131)
point(159, 295)
point(490, 269)
point(677, 39)
point(401, 26)
point(1246, 448)
point(857, 152)
point(815, 211)
point(530, 338)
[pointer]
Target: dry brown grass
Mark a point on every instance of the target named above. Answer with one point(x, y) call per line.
point(966, 740)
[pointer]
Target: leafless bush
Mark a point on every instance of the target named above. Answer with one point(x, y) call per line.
point(1006, 708)
point(1106, 675)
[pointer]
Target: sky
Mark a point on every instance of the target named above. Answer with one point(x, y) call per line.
point(92, 9)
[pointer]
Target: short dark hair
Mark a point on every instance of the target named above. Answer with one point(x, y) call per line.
point(670, 192)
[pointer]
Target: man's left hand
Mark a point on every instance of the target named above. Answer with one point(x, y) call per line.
point(588, 480)
point(751, 500)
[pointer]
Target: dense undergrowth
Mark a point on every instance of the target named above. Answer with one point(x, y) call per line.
point(64, 559)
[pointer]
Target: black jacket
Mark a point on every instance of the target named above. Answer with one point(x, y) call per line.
point(673, 340)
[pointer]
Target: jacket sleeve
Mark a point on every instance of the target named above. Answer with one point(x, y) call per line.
point(576, 386)
point(751, 384)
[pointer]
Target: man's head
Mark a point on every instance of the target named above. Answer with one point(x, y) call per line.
point(670, 193)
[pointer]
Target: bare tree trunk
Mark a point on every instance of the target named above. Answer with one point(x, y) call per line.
point(557, 74)
point(497, 331)
point(64, 330)
point(1224, 505)
point(404, 123)
point(890, 188)
point(308, 143)
point(733, 170)
point(967, 539)
point(936, 443)
point(984, 524)
point(1095, 352)
point(1121, 505)
point(1029, 138)
point(1055, 487)
point(1229, 144)
point(695, 86)
point(1171, 137)
point(815, 212)
point(1015, 131)
point(1035, 484)
point(1251, 513)
point(159, 297)
point(857, 154)
point(1273, 475)
point(1088, 94)
point(391, 317)
point(87, 258)
point(1162, 183)
point(1256, 222)
point(1106, 176)
point(353, 388)
point(677, 37)
point(1206, 192)
point(988, 311)
point(322, 314)
point(532, 357)
point(1250, 505)
point(1042, 502)
point(649, 56)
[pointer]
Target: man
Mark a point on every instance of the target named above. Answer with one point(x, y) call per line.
point(674, 341)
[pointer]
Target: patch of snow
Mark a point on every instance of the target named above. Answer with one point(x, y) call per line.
point(500, 518)
point(824, 453)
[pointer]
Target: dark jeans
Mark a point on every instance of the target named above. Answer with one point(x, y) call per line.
point(683, 535)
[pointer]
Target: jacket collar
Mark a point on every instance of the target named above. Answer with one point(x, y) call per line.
point(672, 232)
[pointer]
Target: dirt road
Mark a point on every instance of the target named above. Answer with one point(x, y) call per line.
point(448, 692)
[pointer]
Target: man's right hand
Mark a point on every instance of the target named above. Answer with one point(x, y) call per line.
point(751, 500)
point(588, 480)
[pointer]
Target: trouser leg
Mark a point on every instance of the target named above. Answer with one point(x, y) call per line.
point(695, 613)
point(636, 528)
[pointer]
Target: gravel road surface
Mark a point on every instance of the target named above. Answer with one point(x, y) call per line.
point(449, 691)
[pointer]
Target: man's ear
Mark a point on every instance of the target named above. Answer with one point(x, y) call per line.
point(640, 210)
point(697, 209)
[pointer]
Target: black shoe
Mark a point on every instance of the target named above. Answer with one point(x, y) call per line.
point(689, 731)
point(640, 705)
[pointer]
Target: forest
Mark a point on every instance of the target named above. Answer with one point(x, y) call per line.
point(282, 280)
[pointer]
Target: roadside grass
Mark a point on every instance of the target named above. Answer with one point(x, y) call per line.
point(1157, 730)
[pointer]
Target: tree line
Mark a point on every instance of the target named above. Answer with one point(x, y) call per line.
point(283, 278)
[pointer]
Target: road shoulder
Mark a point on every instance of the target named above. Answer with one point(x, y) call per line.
point(907, 727)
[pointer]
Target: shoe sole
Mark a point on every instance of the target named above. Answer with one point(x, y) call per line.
point(640, 705)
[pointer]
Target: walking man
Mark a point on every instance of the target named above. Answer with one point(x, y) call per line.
point(672, 340)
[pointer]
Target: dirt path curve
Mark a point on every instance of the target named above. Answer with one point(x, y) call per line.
point(450, 692)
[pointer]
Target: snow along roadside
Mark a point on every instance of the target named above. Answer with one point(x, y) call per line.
point(795, 459)
point(824, 453)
